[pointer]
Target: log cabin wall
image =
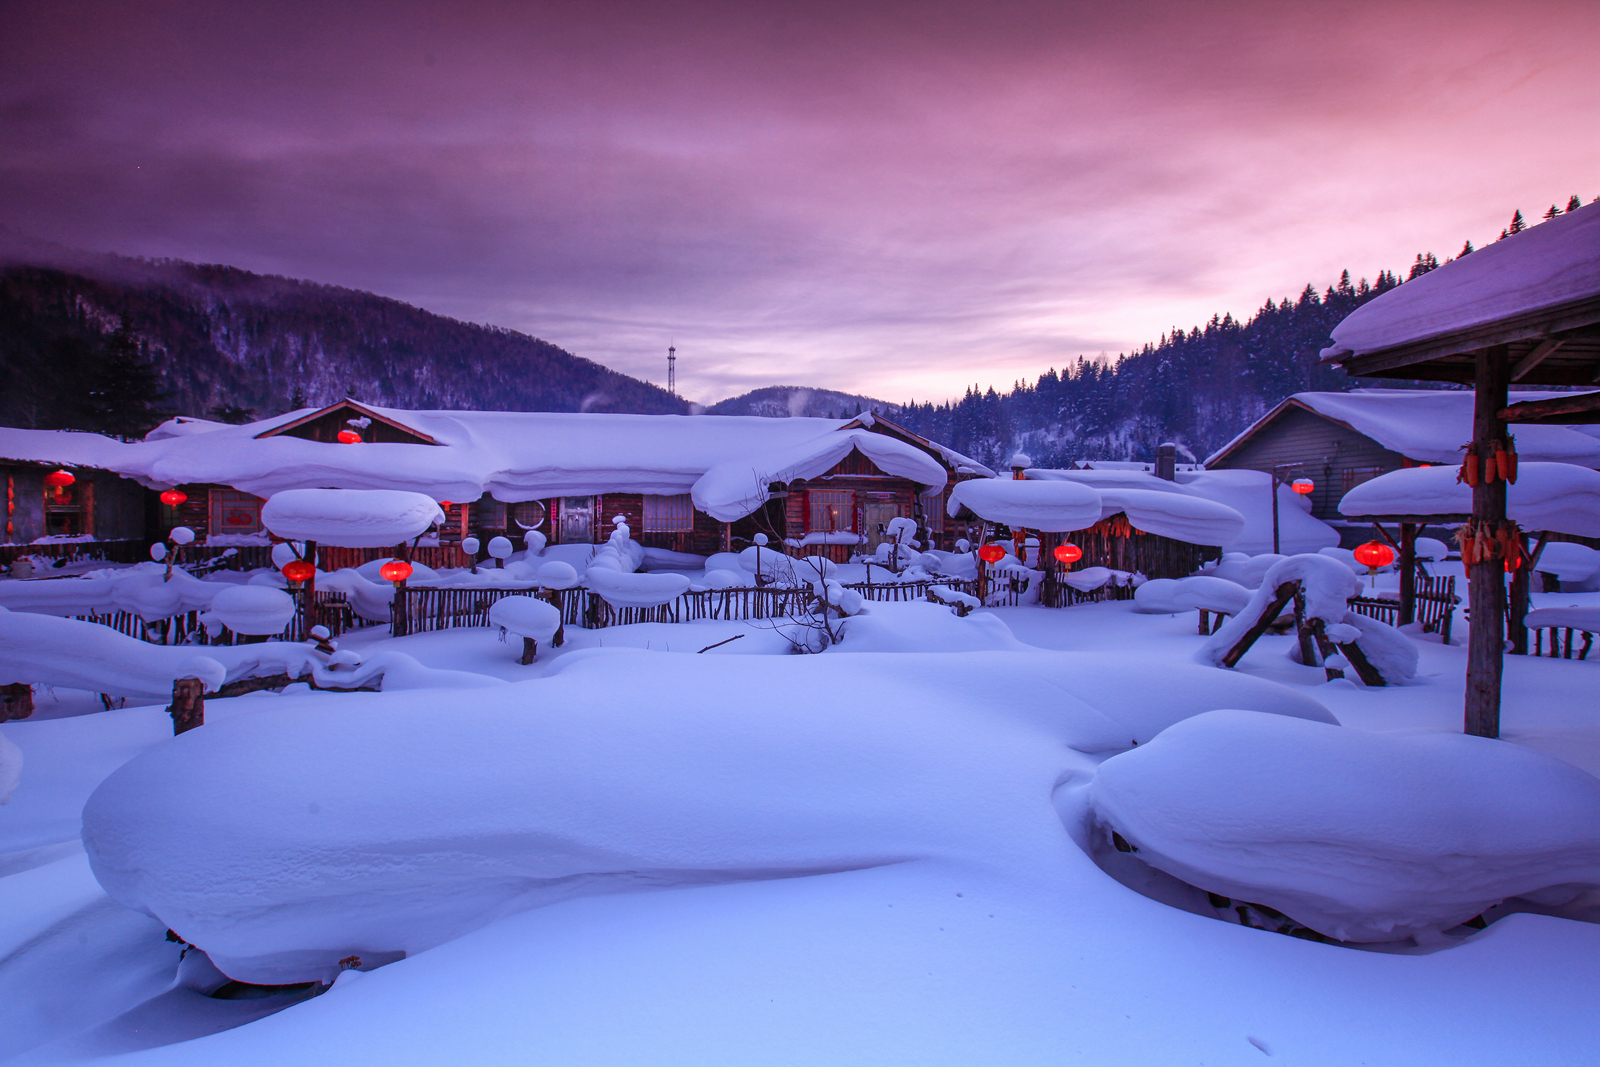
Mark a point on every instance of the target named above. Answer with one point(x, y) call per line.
point(1113, 542)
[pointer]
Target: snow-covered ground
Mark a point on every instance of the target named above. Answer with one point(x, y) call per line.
point(636, 854)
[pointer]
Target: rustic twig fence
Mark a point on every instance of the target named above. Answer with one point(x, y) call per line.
point(1436, 602)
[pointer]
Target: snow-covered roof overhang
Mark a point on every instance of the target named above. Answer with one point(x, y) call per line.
point(350, 518)
point(1176, 515)
point(1426, 425)
point(1553, 497)
point(1054, 507)
point(1538, 284)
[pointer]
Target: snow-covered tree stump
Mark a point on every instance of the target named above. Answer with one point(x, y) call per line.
point(16, 701)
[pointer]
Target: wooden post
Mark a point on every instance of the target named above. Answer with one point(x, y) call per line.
point(1308, 656)
point(1050, 565)
point(530, 649)
point(1517, 615)
point(1486, 588)
point(308, 595)
point(400, 617)
point(1280, 598)
point(1408, 572)
point(16, 701)
point(188, 708)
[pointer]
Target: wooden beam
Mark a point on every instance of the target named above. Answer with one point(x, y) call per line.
point(1544, 349)
point(1280, 599)
point(1586, 406)
point(1533, 325)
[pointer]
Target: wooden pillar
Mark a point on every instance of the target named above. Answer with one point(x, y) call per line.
point(399, 613)
point(530, 649)
point(188, 708)
point(1408, 572)
point(16, 701)
point(1486, 591)
point(308, 596)
point(1517, 615)
point(1051, 567)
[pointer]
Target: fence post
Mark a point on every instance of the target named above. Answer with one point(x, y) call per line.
point(188, 708)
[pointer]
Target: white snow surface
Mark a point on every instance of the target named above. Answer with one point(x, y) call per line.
point(86, 655)
point(351, 518)
point(1429, 425)
point(1359, 836)
point(1246, 493)
point(1179, 516)
point(392, 833)
point(1579, 618)
point(143, 589)
point(628, 590)
point(526, 616)
point(1569, 562)
point(252, 609)
point(1548, 264)
point(1558, 497)
point(1052, 506)
point(10, 768)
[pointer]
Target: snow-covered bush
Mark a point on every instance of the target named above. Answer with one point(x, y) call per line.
point(1360, 836)
point(252, 610)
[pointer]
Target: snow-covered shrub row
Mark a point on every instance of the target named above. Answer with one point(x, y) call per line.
point(1360, 836)
point(43, 649)
point(281, 843)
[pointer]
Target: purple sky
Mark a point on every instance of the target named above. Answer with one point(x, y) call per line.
point(896, 199)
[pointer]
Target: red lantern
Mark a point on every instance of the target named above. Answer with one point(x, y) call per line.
point(396, 570)
point(59, 479)
point(1374, 554)
point(349, 437)
point(1068, 554)
point(445, 504)
point(1302, 485)
point(991, 553)
point(299, 570)
point(173, 497)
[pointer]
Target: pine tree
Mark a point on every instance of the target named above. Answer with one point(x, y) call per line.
point(123, 393)
point(1573, 203)
point(297, 399)
point(1517, 223)
point(1466, 249)
point(1550, 214)
point(1426, 261)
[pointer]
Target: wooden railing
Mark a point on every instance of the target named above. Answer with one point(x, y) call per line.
point(1436, 603)
point(333, 611)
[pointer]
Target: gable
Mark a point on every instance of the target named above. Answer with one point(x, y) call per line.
point(325, 425)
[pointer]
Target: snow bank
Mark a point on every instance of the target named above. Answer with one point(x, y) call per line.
point(1558, 497)
point(1087, 579)
point(1247, 571)
point(142, 589)
point(526, 617)
point(350, 518)
point(1430, 548)
point(253, 610)
point(917, 626)
point(1176, 515)
point(10, 769)
point(85, 655)
point(1052, 506)
point(624, 590)
point(1579, 618)
point(283, 842)
point(1545, 265)
point(1360, 836)
point(1569, 562)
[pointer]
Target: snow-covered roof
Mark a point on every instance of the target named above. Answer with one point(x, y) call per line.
point(1055, 507)
point(513, 455)
point(1553, 263)
point(1239, 502)
point(1554, 497)
point(1429, 425)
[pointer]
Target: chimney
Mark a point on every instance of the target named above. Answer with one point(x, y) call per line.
point(1167, 461)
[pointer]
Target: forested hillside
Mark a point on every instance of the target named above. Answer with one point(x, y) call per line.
point(77, 328)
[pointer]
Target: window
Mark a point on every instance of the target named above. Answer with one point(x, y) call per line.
point(832, 509)
point(233, 512)
point(69, 510)
point(933, 511)
point(1354, 476)
point(668, 514)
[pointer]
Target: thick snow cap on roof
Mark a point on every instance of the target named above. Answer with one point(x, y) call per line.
point(1245, 494)
point(1055, 507)
point(1429, 425)
point(1546, 265)
point(1176, 515)
point(732, 489)
point(1558, 497)
point(350, 518)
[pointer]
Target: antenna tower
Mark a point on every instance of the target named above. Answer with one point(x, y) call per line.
point(672, 369)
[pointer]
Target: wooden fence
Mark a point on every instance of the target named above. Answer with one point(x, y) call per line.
point(1436, 602)
point(333, 611)
point(422, 610)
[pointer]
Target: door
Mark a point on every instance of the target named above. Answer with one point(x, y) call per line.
point(576, 520)
point(875, 516)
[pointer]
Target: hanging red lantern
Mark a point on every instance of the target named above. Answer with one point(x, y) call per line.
point(59, 479)
point(173, 497)
point(1302, 485)
point(349, 437)
point(445, 504)
point(396, 570)
point(991, 553)
point(1374, 554)
point(1068, 554)
point(299, 570)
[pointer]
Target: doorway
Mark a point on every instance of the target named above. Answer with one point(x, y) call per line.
point(576, 520)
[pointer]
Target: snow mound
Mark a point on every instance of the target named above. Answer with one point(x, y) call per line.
point(1559, 497)
point(525, 617)
point(917, 626)
point(254, 610)
point(281, 843)
point(10, 769)
point(1054, 506)
point(350, 518)
point(1360, 836)
point(1176, 515)
point(1569, 562)
point(1245, 570)
point(625, 590)
point(1431, 548)
point(86, 655)
point(1579, 618)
